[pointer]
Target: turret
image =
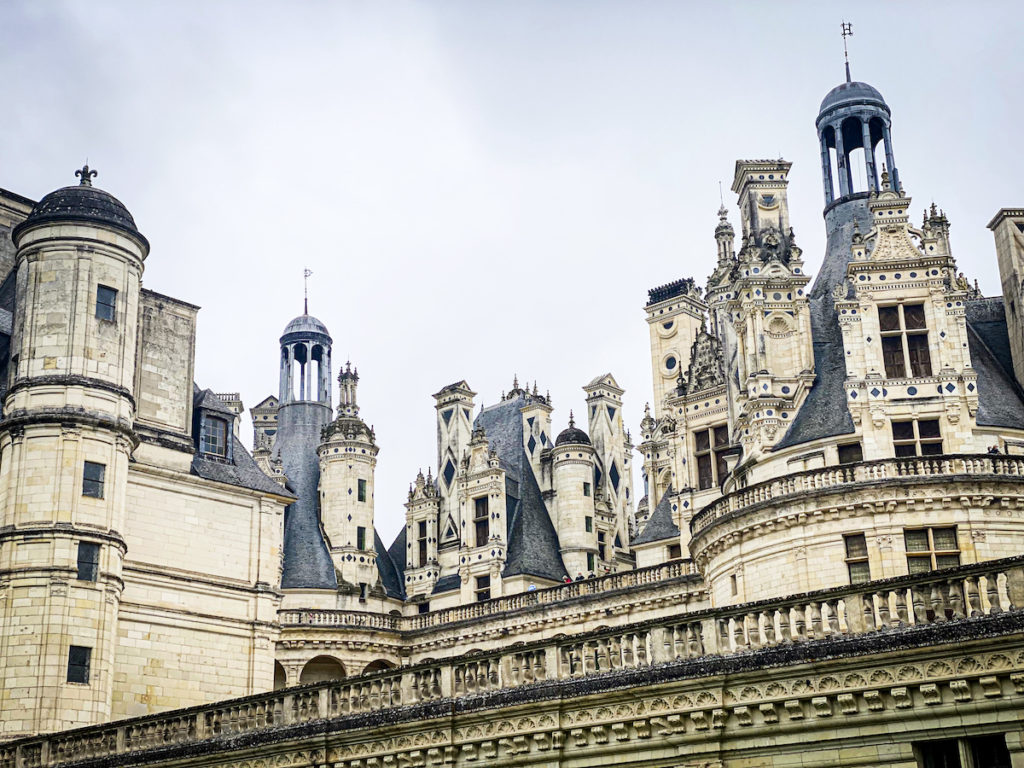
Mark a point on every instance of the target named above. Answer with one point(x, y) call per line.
point(574, 517)
point(454, 406)
point(348, 458)
point(65, 441)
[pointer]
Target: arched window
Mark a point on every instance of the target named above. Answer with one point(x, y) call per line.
point(280, 678)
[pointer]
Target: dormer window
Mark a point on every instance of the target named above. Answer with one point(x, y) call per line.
point(904, 341)
point(214, 437)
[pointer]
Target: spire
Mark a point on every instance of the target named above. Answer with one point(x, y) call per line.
point(572, 421)
point(305, 290)
point(847, 32)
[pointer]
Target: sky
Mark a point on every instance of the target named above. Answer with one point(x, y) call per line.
point(480, 189)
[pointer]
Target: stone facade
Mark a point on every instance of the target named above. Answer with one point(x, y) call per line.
point(823, 568)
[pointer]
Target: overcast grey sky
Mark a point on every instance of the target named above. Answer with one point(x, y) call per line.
point(480, 188)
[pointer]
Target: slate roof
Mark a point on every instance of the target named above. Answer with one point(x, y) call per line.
point(824, 412)
point(1000, 399)
point(659, 526)
point(533, 547)
point(243, 470)
point(83, 203)
point(391, 577)
point(447, 583)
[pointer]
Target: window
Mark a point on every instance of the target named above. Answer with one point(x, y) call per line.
point(590, 561)
point(361, 489)
point(483, 588)
point(364, 590)
point(360, 538)
point(480, 522)
point(106, 303)
point(711, 466)
point(917, 438)
point(423, 608)
point(88, 561)
point(971, 752)
point(586, 489)
point(850, 453)
point(904, 341)
point(601, 548)
point(734, 584)
point(588, 523)
point(675, 552)
point(421, 540)
point(213, 440)
point(78, 664)
point(857, 558)
point(92, 479)
point(931, 548)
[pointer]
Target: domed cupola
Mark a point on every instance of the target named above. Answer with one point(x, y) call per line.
point(854, 116)
point(84, 204)
point(306, 361)
point(572, 435)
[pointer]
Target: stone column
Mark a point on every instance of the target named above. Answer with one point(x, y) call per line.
point(869, 156)
point(841, 163)
point(826, 171)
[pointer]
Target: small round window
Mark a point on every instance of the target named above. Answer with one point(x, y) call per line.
point(670, 363)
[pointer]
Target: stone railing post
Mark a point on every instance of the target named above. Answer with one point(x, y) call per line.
point(1015, 586)
point(661, 643)
point(710, 634)
point(447, 680)
point(856, 613)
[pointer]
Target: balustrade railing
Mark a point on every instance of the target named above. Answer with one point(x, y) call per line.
point(950, 595)
point(500, 605)
point(862, 472)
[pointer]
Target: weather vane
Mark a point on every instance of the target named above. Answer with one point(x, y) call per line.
point(847, 32)
point(305, 289)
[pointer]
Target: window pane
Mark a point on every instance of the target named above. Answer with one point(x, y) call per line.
point(944, 539)
point(483, 581)
point(362, 489)
point(850, 453)
point(704, 477)
point(903, 430)
point(947, 561)
point(907, 449)
point(920, 357)
point(928, 428)
point(482, 532)
point(78, 664)
point(889, 318)
point(990, 751)
point(92, 479)
point(892, 357)
point(480, 508)
point(917, 541)
point(213, 440)
point(859, 572)
point(106, 302)
point(88, 561)
point(856, 545)
point(940, 754)
point(919, 565)
point(931, 449)
point(675, 551)
point(721, 436)
point(913, 316)
point(589, 522)
point(422, 529)
point(703, 440)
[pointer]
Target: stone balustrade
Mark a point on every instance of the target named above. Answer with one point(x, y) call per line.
point(496, 607)
point(815, 480)
point(893, 605)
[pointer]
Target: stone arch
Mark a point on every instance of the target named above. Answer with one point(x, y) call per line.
point(378, 666)
point(320, 669)
point(280, 676)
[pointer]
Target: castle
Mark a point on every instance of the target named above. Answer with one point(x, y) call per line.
point(822, 567)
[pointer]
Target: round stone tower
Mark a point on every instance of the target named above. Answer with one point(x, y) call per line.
point(573, 459)
point(65, 441)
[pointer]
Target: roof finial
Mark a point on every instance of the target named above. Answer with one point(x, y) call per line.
point(305, 290)
point(847, 32)
point(572, 421)
point(86, 175)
